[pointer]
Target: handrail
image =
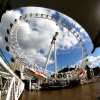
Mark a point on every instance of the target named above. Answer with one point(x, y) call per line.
point(4, 85)
point(17, 90)
point(2, 63)
point(9, 90)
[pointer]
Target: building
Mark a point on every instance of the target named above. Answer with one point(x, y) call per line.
point(96, 71)
point(18, 67)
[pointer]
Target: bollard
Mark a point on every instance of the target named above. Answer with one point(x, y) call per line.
point(0, 94)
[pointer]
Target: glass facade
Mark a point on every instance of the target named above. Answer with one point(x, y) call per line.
point(4, 59)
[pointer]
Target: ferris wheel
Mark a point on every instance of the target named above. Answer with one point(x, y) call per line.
point(15, 47)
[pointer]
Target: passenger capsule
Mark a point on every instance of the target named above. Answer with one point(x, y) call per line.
point(12, 59)
point(8, 31)
point(20, 17)
point(11, 25)
point(15, 20)
point(6, 39)
point(7, 48)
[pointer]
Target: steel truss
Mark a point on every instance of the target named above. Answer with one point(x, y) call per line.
point(14, 46)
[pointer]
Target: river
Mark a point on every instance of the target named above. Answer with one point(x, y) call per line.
point(85, 92)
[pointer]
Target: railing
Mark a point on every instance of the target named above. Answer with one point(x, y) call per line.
point(37, 72)
point(13, 86)
point(15, 89)
point(4, 89)
point(10, 90)
point(71, 75)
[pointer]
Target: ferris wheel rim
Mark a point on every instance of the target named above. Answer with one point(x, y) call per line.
point(14, 42)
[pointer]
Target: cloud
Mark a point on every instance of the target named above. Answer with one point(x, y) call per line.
point(35, 35)
point(67, 19)
point(37, 58)
point(72, 23)
point(28, 10)
point(7, 18)
point(93, 61)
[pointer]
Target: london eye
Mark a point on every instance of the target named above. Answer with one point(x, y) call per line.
point(43, 55)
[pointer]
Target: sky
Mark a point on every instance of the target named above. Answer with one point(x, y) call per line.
point(35, 36)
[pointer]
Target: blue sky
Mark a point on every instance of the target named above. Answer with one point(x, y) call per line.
point(34, 37)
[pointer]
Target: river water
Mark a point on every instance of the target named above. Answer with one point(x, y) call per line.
point(84, 92)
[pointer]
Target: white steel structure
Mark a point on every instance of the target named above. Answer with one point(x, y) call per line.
point(52, 42)
point(14, 46)
point(13, 87)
